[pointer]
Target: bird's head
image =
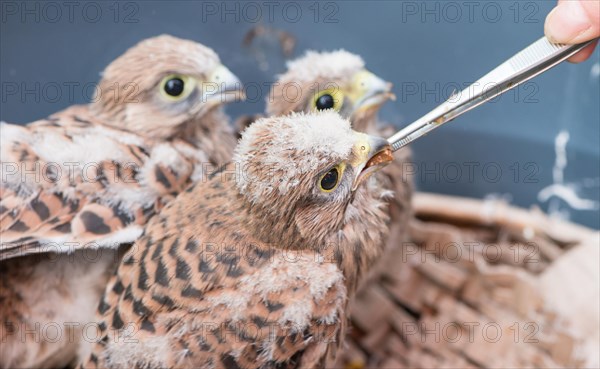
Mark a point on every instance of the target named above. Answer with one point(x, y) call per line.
point(334, 80)
point(161, 83)
point(299, 173)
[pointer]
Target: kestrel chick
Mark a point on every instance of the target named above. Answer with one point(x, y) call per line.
point(238, 271)
point(334, 80)
point(78, 185)
point(339, 81)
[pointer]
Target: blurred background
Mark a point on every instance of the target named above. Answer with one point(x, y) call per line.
point(52, 53)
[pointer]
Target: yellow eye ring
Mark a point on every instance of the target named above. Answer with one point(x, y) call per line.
point(330, 180)
point(176, 87)
point(330, 98)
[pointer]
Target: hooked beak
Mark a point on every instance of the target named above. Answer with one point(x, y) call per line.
point(370, 154)
point(369, 91)
point(223, 87)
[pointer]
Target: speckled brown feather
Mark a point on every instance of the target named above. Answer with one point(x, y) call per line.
point(59, 205)
point(84, 206)
point(89, 177)
point(222, 279)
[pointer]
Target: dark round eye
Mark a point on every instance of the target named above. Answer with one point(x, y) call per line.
point(324, 102)
point(330, 179)
point(174, 86)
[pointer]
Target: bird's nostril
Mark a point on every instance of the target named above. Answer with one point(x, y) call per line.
point(363, 148)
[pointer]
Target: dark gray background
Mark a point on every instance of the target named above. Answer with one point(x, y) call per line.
point(426, 48)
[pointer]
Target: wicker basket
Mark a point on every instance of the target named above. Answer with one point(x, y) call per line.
point(480, 284)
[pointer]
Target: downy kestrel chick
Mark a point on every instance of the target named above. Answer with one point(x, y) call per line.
point(338, 81)
point(239, 271)
point(80, 184)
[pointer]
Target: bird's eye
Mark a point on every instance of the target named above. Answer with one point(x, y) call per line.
point(330, 180)
point(175, 87)
point(330, 98)
point(324, 102)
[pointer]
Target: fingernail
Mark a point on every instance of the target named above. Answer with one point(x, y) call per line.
point(567, 23)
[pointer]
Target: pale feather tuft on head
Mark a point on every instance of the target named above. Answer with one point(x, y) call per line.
point(274, 153)
point(331, 65)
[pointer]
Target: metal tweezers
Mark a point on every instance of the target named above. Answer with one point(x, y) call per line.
point(528, 63)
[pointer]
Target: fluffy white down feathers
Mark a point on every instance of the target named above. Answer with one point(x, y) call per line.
point(317, 137)
point(330, 65)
